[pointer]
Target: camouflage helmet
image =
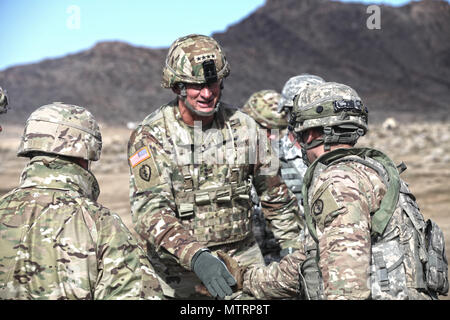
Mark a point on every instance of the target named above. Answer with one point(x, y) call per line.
point(62, 129)
point(194, 59)
point(331, 105)
point(3, 101)
point(293, 86)
point(262, 106)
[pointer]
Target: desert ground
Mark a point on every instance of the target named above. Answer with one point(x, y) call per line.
point(423, 147)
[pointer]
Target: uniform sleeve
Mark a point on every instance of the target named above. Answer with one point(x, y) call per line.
point(342, 200)
point(278, 203)
point(277, 280)
point(124, 271)
point(152, 202)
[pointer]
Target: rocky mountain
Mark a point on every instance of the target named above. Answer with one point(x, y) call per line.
point(400, 70)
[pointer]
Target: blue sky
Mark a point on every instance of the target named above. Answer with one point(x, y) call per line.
point(32, 30)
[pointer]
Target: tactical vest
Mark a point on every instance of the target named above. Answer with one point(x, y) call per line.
point(408, 254)
point(221, 214)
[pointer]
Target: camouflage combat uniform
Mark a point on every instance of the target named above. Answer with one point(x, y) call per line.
point(278, 280)
point(3, 103)
point(182, 208)
point(366, 238)
point(261, 106)
point(349, 192)
point(292, 168)
point(190, 185)
point(56, 241)
point(343, 197)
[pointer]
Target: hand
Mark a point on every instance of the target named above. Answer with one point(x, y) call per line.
point(234, 268)
point(213, 273)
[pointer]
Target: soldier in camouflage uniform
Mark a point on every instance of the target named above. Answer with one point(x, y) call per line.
point(292, 166)
point(366, 238)
point(56, 241)
point(262, 107)
point(192, 162)
point(3, 103)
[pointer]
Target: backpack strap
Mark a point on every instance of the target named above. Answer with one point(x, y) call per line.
point(381, 217)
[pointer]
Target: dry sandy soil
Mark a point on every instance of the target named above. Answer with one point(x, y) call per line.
point(424, 147)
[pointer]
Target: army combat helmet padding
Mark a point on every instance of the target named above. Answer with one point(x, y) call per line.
point(330, 105)
point(186, 58)
point(62, 129)
point(262, 107)
point(293, 86)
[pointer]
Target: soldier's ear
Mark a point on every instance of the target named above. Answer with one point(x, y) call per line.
point(307, 136)
point(311, 135)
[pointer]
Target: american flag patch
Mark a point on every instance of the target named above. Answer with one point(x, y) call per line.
point(140, 155)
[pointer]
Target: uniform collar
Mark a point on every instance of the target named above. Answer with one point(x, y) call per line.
point(48, 172)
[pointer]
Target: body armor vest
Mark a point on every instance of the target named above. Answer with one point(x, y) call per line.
point(213, 200)
point(408, 254)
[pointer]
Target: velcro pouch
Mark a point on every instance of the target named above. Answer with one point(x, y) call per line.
point(437, 266)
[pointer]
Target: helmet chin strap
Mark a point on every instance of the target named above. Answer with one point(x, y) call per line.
point(182, 96)
point(197, 112)
point(329, 138)
point(307, 146)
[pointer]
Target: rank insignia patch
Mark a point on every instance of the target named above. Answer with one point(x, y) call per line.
point(145, 172)
point(317, 207)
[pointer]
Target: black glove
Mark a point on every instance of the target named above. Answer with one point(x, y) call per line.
point(213, 273)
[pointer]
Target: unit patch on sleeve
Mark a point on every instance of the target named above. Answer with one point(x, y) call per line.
point(317, 207)
point(139, 156)
point(145, 172)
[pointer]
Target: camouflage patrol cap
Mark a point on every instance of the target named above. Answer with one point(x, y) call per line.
point(329, 104)
point(262, 106)
point(295, 85)
point(62, 129)
point(186, 59)
point(3, 101)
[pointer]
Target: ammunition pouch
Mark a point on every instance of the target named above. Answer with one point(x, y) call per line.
point(437, 266)
point(217, 216)
point(388, 278)
point(311, 282)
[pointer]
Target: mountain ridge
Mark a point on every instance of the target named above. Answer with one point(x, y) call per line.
point(401, 70)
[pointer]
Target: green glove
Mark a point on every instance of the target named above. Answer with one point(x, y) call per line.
point(213, 273)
